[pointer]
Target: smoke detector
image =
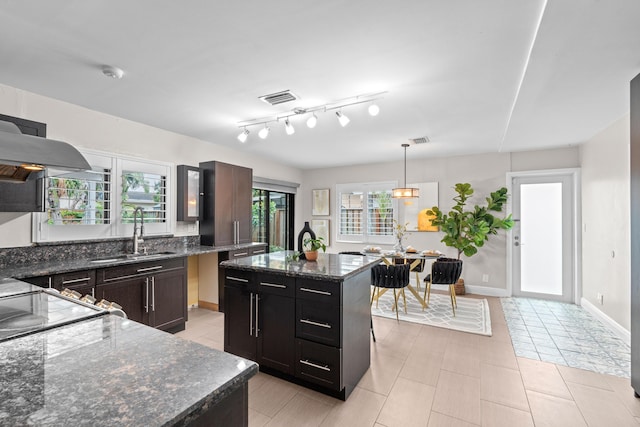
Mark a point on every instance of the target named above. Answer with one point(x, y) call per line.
point(113, 72)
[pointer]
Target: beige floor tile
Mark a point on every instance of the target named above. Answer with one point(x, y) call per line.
point(497, 353)
point(256, 419)
point(408, 404)
point(495, 415)
point(601, 407)
point(624, 391)
point(256, 381)
point(423, 367)
point(440, 420)
point(271, 396)
point(503, 386)
point(360, 409)
point(462, 359)
point(395, 344)
point(464, 338)
point(580, 376)
point(432, 339)
point(543, 377)
point(381, 374)
point(458, 396)
point(552, 411)
point(301, 411)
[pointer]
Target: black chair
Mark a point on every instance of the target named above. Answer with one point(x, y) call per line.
point(444, 271)
point(373, 334)
point(394, 276)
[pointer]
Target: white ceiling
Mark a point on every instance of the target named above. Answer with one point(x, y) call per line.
point(474, 76)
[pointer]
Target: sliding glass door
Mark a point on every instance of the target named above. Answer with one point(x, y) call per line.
point(273, 219)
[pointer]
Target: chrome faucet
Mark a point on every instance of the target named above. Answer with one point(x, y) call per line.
point(137, 238)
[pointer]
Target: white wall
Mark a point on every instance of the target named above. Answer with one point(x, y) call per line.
point(606, 222)
point(89, 129)
point(486, 173)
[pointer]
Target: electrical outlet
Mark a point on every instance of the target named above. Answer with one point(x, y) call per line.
point(485, 278)
point(600, 298)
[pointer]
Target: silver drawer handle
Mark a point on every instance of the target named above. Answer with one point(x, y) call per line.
point(314, 365)
point(241, 254)
point(315, 291)
point(273, 285)
point(261, 251)
point(82, 279)
point(142, 270)
point(237, 279)
point(311, 322)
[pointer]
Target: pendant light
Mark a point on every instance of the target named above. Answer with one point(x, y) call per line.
point(405, 192)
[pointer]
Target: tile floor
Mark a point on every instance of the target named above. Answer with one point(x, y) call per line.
point(565, 334)
point(426, 376)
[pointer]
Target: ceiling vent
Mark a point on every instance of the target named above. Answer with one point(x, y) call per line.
point(279, 97)
point(422, 140)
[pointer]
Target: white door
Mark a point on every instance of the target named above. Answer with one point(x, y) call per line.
point(543, 243)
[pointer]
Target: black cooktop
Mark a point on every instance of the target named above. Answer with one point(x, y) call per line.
point(31, 311)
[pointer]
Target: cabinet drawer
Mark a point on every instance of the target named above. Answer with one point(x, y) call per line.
point(139, 269)
point(319, 364)
point(74, 279)
point(238, 278)
point(318, 322)
point(275, 284)
point(258, 250)
point(239, 253)
point(318, 290)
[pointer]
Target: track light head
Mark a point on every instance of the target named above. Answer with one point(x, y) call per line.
point(288, 127)
point(312, 121)
point(344, 120)
point(374, 110)
point(243, 136)
point(264, 132)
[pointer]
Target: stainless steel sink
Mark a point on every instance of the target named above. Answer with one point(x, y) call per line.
point(124, 257)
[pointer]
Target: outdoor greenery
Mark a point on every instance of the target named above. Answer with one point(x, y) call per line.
point(468, 229)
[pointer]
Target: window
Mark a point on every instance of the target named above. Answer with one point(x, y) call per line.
point(87, 205)
point(272, 219)
point(366, 212)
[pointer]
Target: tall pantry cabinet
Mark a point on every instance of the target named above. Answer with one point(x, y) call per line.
point(635, 235)
point(225, 209)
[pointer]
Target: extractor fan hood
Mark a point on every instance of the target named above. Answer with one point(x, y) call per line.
point(21, 155)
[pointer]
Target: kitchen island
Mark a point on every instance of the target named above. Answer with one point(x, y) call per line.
point(106, 370)
point(304, 321)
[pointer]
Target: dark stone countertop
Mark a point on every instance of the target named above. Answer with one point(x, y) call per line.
point(66, 264)
point(328, 266)
point(111, 371)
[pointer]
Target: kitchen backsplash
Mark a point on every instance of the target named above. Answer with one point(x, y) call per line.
point(89, 249)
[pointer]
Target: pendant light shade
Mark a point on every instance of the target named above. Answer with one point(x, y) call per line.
point(405, 192)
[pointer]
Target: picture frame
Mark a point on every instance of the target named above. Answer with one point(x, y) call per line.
point(414, 211)
point(321, 228)
point(320, 202)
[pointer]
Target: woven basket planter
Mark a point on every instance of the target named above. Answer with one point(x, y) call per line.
point(459, 287)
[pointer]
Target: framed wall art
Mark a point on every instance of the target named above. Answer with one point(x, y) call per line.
point(321, 228)
point(320, 202)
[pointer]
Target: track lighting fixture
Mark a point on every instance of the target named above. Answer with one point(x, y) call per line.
point(288, 127)
point(264, 132)
point(312, 118)
point(244, 135)
point(344, 120)
point(312, 121)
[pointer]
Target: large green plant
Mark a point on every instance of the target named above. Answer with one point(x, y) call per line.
point(467, 230)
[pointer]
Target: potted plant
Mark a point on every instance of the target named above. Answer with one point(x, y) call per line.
point(468, 229)
point(311, 246)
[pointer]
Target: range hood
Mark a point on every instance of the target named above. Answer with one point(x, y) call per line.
point(24, 155)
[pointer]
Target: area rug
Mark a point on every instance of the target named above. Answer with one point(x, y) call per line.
point(472, 314)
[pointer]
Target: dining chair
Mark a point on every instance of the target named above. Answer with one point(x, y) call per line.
point(444, 271)
point(390, 276)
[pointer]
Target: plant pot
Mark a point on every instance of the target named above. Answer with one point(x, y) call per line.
point(459, 287)
point(311, 255)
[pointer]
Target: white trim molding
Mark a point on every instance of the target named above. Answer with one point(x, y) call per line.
point(615, 327)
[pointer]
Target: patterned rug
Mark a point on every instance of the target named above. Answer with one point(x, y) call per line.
point(472, 314)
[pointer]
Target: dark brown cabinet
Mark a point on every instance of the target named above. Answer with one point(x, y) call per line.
point(153, 293)
point(257, 249)
point(258, 319)
point(80, 281)
point(225, 211)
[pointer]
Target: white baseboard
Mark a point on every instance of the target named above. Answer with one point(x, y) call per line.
point(486, 291)
point(615, 327)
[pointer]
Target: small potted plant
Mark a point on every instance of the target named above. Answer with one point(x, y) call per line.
point(311, 247)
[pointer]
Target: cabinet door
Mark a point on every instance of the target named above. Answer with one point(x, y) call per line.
point(42, 281)
point(239, 321)
point(243, 183)
point(168, 299)
point(132, 294)
point(276, 332)
point(223, 228)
